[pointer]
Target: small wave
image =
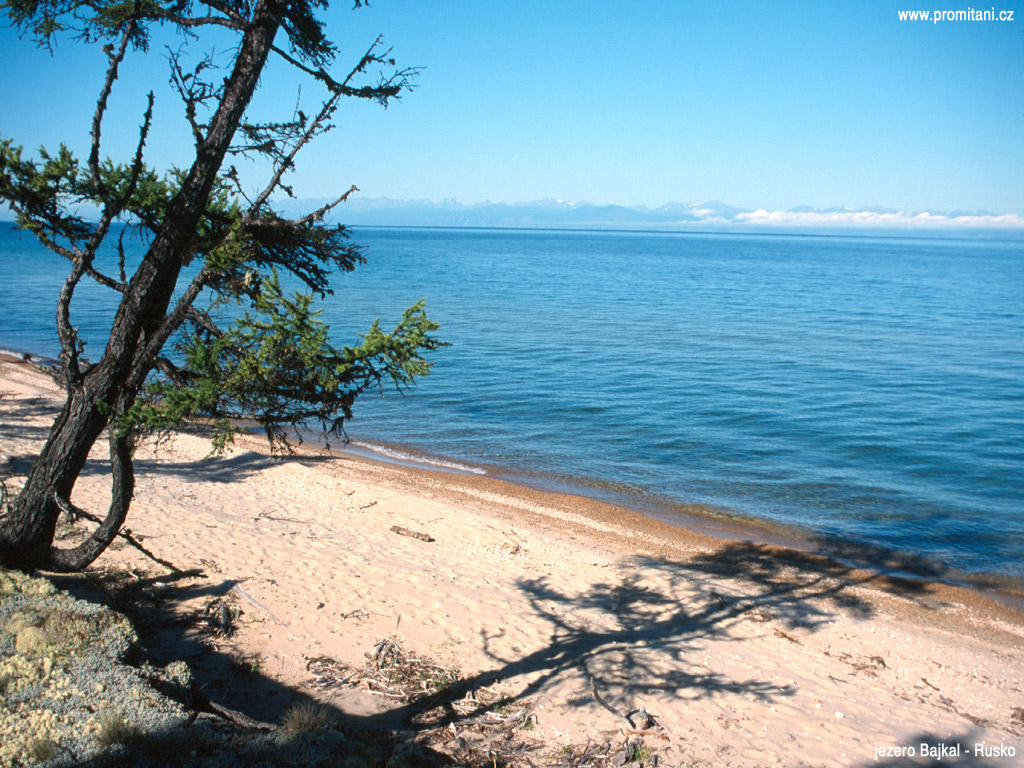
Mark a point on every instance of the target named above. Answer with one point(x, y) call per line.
point(416, 460)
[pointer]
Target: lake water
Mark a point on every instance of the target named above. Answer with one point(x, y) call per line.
point(852, 391)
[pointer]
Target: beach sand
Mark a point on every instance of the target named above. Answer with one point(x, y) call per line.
point(744, 654)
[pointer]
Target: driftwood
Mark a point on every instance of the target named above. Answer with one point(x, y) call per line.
point(634, 732)
point(200, 703)
point(414, 534)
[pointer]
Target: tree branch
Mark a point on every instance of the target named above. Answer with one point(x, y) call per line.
point(122, 489)
point(70, 344)
point(101, 105)
point(72, 255)
point(187, 22)
point(319, 213)
point(225, 9)
point(387, 88)
point(82, 262)
point(74, 512)
point(192, 90)
point(204, 321)
point(315, 126)
point(143, 361)
point(133, 181)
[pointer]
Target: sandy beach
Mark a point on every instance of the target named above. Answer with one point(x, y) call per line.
point(740, 653)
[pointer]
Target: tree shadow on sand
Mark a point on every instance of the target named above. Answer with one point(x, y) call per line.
point(242, 716)
point(641, 633)
point(26, 417)
point(225, 469)
point(635, 635)
point(23, 419)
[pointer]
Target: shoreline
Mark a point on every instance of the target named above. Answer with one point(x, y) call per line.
point(606, 520)
point(673, 519)
point(702, 520)
point(557, 605)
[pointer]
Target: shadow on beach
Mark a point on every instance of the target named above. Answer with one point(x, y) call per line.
point(246, 710)
point(24, 419)
point(215, 469)
point(641, 645)
point(626, 640)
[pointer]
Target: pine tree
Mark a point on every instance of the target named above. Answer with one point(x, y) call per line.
point(167, 360)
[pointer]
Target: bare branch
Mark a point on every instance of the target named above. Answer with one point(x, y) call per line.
point(101, 104)
point(68, 253)
point(193, 91)
point(225, 9)
point(169, 369)
point(319, 74)
point(315, 126)
point(120, 256)
point(70, 344)
point(113, 208)
point(187, 22)
point(387, 88)
point(320, 212)
point(82, 260)
point(203, 320)
point(147, 121)
point(73, 255)
point(232, 175)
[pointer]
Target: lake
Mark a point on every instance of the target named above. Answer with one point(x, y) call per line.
point(864, 394)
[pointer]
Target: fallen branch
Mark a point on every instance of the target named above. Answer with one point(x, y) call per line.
point(634, 732)
point(268, 516)
point(201, 703)
point(414, 534)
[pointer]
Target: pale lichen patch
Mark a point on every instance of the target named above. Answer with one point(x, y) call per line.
point(61, 661)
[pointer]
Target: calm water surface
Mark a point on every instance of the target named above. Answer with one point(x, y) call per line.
point(859, 391)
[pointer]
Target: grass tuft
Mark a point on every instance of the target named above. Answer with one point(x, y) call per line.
point(247, 665)
point(114, 729)
point(304, 718)
point(41, 750)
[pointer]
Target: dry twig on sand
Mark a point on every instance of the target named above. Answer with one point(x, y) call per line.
point(253, 601)
point(411, 533)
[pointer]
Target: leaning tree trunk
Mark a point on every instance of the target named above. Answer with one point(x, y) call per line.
point(27, 531)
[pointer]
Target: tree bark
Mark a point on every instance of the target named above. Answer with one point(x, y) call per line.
point(110, 387)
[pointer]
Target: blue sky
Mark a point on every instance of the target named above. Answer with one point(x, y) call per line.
point(763, 105)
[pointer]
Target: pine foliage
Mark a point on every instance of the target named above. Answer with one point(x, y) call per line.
point(227, 344)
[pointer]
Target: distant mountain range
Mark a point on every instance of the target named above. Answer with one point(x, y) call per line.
point(713, 215)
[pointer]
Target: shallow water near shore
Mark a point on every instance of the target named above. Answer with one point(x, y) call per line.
point(867, 394)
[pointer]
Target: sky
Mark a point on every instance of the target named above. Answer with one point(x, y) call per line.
point(761, 105)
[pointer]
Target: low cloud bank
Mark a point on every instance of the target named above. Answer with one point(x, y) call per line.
point(886, 220)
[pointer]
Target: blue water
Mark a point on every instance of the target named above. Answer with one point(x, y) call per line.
point(854, 390)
